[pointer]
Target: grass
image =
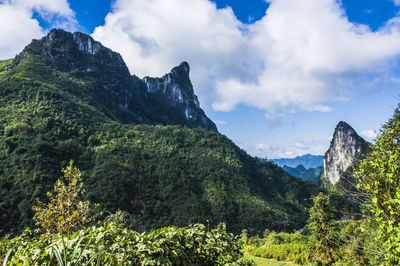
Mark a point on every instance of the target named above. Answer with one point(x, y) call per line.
point(266, 262)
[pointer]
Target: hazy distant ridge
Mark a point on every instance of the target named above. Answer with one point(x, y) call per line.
point(307, 160)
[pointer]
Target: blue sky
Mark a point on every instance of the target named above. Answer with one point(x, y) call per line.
point(276, 76)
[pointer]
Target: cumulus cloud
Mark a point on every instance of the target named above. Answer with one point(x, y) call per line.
point(153, 36)
point(290, 149)
point(396, 2)
point(300, 56)
point(220, 122)
point(18, 27)
point(370, 134)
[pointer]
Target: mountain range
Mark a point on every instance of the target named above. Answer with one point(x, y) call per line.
point(144, 146)
point(307, 161)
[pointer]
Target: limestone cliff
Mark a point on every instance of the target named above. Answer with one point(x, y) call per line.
point(346, 148)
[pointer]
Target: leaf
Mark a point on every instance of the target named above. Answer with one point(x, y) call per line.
point(7, 256)
point(58, 257)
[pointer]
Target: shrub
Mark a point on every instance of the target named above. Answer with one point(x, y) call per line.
point(295, 252)
point(324, 231)
point(379, 178)
point(112, 245)
point(65, 212)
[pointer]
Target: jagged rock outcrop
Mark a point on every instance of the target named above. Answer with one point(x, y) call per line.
point(346, 148)
point(177, 90)
point(169, 100)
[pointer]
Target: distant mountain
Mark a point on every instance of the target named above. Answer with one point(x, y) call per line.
point(142, 145)
point(307, 161)
point(312, 174)
point(345, 149)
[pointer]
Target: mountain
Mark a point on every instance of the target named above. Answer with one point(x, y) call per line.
point(345, 149)
point(142, 145)
point(122, 97)
point(311, 174)
point(307, 161)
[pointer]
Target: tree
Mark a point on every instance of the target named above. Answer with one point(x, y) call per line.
point(323, 228)
point(65, 212)
point(379, 178)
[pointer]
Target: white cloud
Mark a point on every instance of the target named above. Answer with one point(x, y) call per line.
point(300, 56)
point(396, 2)
point(261, 146)
point(18, 27)
point(153, 36)
point(289, 150)
point(220, 122)
point(370, 134)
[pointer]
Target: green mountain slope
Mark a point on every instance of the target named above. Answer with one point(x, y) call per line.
point(310, 174)
point(53, 110)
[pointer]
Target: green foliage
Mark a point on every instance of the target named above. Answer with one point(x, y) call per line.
point(66, 212)
point(324, 231)
point(310, 174)
point(295, 252)
point(280, 246)
point(4, 64)
point(379, 178)
point(360, 244)
point(120, 219)
point(354, 243)
point(112, 245)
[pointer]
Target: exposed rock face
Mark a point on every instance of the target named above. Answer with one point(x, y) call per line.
point(345, 149)
point(86, 43)
point(125, 97)
point(177, 88)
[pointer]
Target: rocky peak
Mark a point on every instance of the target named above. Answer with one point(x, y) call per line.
point(175, 85)
point(182, 70)
point(345, 149)
point(66, 51)
point(68, 42)
point(177, 88)
point(122, 96)
point(86, 44)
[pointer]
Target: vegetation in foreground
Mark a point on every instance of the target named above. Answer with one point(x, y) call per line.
point(114, 245)
point(259, 261)
point(324, 241)
point(64, 237)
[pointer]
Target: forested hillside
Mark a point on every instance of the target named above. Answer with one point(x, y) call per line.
point(56, 105)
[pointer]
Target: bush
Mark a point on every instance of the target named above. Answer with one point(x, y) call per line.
point(280, 246)
point(112, 245)
point(295, 252)
point(66, 212)
point(324, 231)
point(379, 178)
